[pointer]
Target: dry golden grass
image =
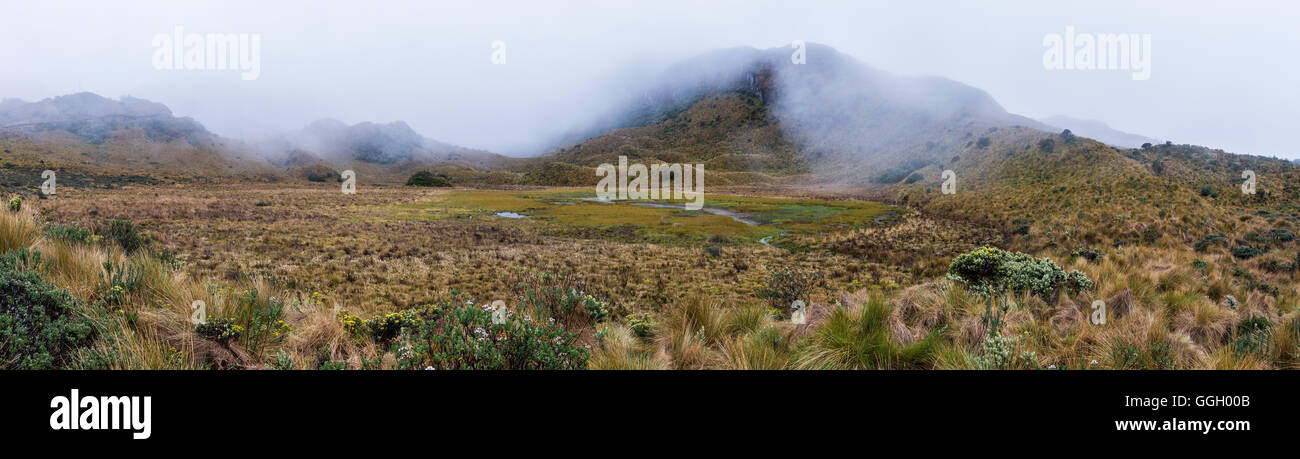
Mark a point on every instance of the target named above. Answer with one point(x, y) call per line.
point(323, 252)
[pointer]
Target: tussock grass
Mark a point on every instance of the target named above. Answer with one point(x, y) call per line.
point(859, 338)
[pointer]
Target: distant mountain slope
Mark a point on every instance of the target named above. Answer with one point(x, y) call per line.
point(332, 141)
point(1080, 192)
point(755, 112)
point(131, 135)
point(1097, 130)
point(95, 134)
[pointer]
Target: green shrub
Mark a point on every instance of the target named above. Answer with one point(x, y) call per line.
point(785, 285)
point(261, 320)
point(71, 234)
point(40, 327)
point(354, 325)
point(458, 336)
point(1281, 235)
point(997, 352)
point(1208, 192)
point(386, 327)
point(1136, 357)
point(322, 174)
point(719, 239)
point(557, 295)
point(126, 234)
point(219, 329)
point(1278, 266)
point(1209, 240)
point(120, 281)
point(1253, 335)
point(642, 325)
point(15, 204)
point(1086, 253)
point(426, 178)
point(1047, 145)
point(991, 271)
point(1246, 252)
point(713, 251)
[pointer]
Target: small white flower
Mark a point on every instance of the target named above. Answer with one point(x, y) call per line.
point(430, 368)
point(1094, 362)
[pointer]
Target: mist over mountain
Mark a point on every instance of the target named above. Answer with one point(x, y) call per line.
point(749, 115)
point(333, 141)
point(745, 109)
point(1098, 130)
point(96, 118)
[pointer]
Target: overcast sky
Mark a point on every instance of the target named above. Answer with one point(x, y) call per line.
point(1224, 74)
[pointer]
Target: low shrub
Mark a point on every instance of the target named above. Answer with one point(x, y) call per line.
point(785, 285)
point(557, 295)
point(426, 178)
point(1253, 336)
point(70, 234)
point(126, 234)
point(1246, 252)
point(261, 320)
point(458, 336)
point(642, 325)
point(219, 329)
point(1208, 240)
point(386, 327)
point(40, 327)
point(1086, 253)
point(1281, 235)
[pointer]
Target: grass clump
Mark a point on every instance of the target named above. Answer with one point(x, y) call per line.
point(860, 339)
